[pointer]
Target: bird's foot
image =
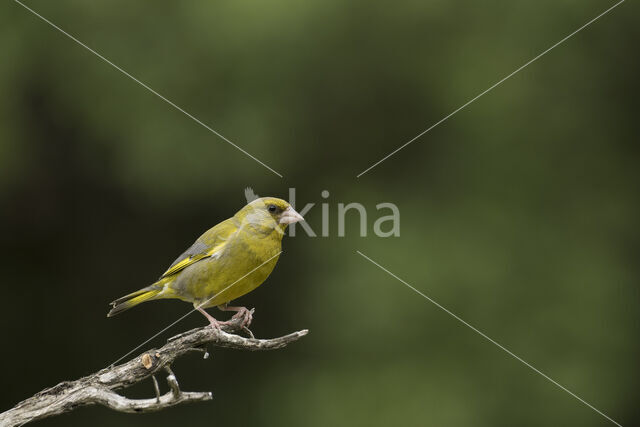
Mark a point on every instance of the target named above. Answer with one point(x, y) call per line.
point(213, 322)
point(244, 315)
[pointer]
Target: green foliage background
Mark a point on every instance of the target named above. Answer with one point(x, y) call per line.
point(519, 214)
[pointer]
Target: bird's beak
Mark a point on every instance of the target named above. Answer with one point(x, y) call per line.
point(290, 216)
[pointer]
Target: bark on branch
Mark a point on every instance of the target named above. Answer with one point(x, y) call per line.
point(100, 387)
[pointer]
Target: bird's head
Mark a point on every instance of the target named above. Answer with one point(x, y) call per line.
point(267, 214)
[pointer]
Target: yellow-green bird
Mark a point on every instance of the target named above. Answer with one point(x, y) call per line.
point(226, 262)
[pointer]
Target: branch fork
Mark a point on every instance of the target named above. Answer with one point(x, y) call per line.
point(100, 387)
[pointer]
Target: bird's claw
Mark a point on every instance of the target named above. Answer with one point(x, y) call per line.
point(216, 325)
point(245, 315)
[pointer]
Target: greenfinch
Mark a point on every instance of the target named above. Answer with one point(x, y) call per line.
point(226, 262)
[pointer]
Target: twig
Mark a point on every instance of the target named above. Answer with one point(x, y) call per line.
point(99, 388)
point(156, 387)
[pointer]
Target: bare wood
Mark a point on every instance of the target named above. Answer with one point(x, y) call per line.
point(100, 387)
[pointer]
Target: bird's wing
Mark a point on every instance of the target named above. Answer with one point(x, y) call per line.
point(207, 245)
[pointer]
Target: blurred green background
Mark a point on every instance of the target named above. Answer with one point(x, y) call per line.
point(519, 214)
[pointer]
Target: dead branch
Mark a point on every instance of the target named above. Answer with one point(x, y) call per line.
point(100, 387)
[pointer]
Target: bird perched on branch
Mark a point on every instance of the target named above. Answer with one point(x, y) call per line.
point(226, 262)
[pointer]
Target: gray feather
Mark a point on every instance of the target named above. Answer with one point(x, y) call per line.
point(197, 248)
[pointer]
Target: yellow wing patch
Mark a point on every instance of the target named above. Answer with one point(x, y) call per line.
point(211, 243)
point(181, 265)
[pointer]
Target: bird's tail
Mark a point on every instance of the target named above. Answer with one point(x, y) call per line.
point(126, 302)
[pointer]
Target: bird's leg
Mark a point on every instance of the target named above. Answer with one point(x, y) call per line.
point(215, 324)
point(241, 313)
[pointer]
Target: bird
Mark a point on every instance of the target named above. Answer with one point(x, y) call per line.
point(229, 260)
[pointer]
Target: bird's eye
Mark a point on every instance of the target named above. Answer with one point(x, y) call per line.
point(272, 208)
